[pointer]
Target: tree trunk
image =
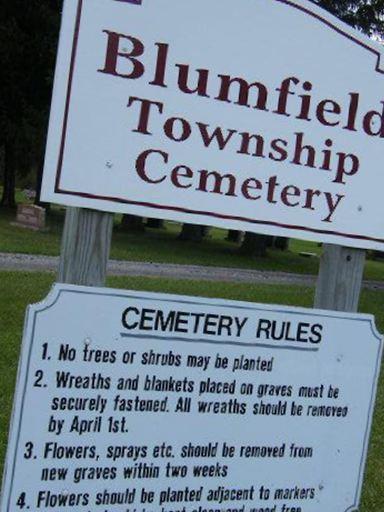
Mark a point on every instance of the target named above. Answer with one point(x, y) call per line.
point(281, 243)
point(378, 255)
point(39, 179)
point(155, 223)
point(9, 182)
point(254, 245)
point(206, 231)
point(234, 236)
point(192, 233)
point(132, 224)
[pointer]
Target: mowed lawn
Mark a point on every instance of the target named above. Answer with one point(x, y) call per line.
point(18, 289)
point(163, 246)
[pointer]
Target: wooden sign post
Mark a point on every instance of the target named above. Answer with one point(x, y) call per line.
point(340, 278)
point(86, 242)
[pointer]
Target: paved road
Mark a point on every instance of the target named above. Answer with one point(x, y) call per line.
point(195, 272)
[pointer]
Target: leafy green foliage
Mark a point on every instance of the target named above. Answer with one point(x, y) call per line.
point(28, 35)
point(367, 16)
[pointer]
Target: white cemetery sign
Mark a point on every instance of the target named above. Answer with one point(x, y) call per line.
point(263, 116)
point(133, 400)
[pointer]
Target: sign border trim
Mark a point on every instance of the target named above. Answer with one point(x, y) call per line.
point(112, 199)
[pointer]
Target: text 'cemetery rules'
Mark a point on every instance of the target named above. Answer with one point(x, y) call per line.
point(131, 401)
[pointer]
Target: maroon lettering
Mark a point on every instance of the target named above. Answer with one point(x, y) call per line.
point(301, 149)
point(217, 136)
point(373, 122)
point(202, 81)
point(161, 65)
point(281, 154)
point(342, 171)
point(305, 102)
point(244, 89)
point(251, 184)
point(180, 172)
point(327, 153)
point(290, 191)
point(145, 110)
point(141, 163)
point(327, 107)
point(352, 111)
point(284, 91)
point(332, 205)
point(217, 181)
point(272, 185)
point(113, 54)
point(246, 139)
point(310, 194)
point(170, 129)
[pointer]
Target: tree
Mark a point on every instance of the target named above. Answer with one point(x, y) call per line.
point(192, 233)
point(155, 223)
point(132, 224)
point(254, 245)
point(234, 236)
point(367, 16)
point(28, 39)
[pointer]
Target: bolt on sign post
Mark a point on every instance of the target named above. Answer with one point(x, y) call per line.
point(263, 116)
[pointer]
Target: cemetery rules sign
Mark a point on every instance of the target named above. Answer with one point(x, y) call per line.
point(262, 116)
point(137, 401)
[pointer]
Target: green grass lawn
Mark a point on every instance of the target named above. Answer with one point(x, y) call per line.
point(162, 246)
point(17, 289)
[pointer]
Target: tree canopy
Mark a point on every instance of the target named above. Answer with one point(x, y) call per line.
point(368, 16)
point(28, 40)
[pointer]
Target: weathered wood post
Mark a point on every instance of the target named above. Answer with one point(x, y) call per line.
point(85, 247)
point(340, 278)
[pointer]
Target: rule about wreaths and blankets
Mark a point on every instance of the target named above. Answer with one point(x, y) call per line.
point(256, 115)
point(134, 401)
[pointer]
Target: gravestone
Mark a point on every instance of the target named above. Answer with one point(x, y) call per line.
point(31, 217)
